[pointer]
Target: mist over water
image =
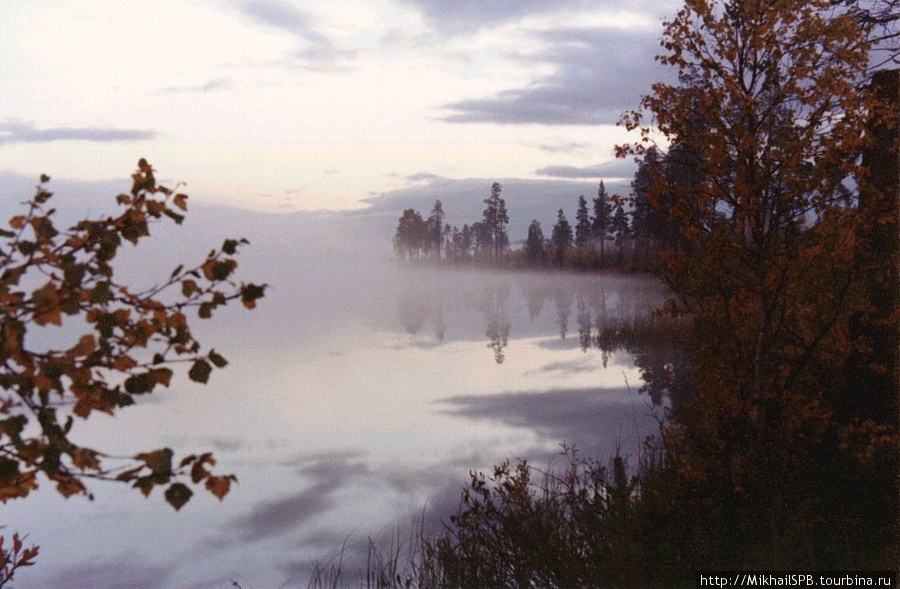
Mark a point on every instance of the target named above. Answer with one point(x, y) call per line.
point(359, 394)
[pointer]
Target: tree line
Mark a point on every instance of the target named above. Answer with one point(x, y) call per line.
point(432, 239)
point(611, 232)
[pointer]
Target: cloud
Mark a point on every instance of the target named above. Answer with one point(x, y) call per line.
point(583, 365)
point(598, 73)
point(558, 344)
point(329, 471)
point(422, 177)
point(17, 131)
point(462, 17)
point(318, 51)
point(213, 85)
point(587, 417)
point(568, 148)
point(613, 169)
point(123, 572)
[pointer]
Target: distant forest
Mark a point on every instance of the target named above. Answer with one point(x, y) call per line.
point(610, 232)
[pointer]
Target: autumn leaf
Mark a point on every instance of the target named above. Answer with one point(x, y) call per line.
point(200, 371)
point(140, 383)
point(17, 487)
point(218, 269)
point(85, 459)
point(124, 363)
point(174, 216)
point(218, 486)
point(229, 246)
point(155, 207)
point(162, 376)
point(218, 360)
point(68, 486)
point(9, 471)
point(205, 310)
point(188, 287)
point(158, 461)
point(46, 303)
point(251, 293)
point(177, 495)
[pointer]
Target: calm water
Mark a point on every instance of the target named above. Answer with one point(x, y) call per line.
point(359, 396)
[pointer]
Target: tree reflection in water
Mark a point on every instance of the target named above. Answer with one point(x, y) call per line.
point(613, 314)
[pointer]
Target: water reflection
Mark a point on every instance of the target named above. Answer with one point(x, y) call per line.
point(415, 310)
point(605, 416)
point(612, 314)
point(492, 304)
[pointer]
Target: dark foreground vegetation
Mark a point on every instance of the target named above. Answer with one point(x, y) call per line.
point(774, 211)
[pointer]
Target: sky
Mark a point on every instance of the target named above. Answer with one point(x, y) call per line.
point(292, 105)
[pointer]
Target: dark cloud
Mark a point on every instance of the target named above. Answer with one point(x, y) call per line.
point(581, 365)
point(588, 417)
point(280, 516)
point(567, 148)
point(124, 572)
point(599, 73)
point(613, 169)
point(213, 85)
point(558, 344)
point(329, 472)
point(462, 17)
point(279, 15)
point(318, 52)
point(469, 16)
point(16, 131)
point(352, 552)
point(227, 443)
point(417, 345)
point(422, 177)
point(322, 463)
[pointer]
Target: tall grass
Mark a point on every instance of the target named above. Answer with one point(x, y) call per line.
point(516, 527)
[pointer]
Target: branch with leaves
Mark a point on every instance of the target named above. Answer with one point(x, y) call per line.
point(14, 558)
point(131, 341)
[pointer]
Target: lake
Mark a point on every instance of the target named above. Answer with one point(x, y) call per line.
point(358, 397)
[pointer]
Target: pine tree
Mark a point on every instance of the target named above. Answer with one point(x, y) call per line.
point(561, 238)
point(495, 218)
point(619, 228)
point(500, 237)
point(602, 218)
point(410, 235)
point(582, 225)
point(435, 225)
point(534, 245)
point(646, 218)
point(465, 242)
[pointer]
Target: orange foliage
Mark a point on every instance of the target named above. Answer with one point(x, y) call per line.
point(770, 118)
point(131, 338)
